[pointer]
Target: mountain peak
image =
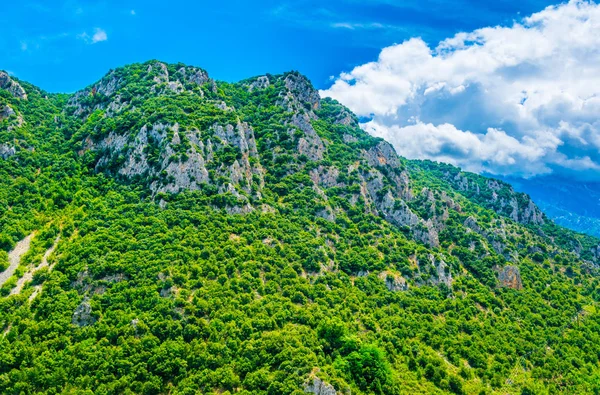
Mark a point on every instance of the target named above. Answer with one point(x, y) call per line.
point(12, 86)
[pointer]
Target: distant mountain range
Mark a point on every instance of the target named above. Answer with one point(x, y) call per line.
point(570, 203)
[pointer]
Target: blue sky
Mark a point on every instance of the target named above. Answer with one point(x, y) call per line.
point(503, 87)
point(63, 46)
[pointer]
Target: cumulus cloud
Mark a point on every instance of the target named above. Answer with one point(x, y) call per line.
point(98, 36)
point(518, 100)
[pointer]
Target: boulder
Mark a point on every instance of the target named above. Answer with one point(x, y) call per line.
point(510, 277)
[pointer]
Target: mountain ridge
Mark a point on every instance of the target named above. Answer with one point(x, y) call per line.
point(250, 238)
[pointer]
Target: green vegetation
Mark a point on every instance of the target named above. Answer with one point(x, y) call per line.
point(279, 263)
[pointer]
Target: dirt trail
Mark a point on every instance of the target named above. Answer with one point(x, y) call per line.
point(28, 276)
point(14, 258)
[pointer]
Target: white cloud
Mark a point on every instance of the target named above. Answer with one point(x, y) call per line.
point(132, 12)
point(521, 100)
point(354, 26)
point(99, 35)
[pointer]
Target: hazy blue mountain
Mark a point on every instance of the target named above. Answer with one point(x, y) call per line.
point(570, 203)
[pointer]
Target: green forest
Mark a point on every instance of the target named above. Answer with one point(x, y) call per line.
point(165, 233)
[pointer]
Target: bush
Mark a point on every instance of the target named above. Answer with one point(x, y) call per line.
point(3, 260)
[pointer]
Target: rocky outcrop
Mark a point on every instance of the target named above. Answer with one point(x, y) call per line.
point(444, 276)
point(259, 83)
point(316, 386)
point(471, 223)
point(6, 112)
point(393, 281)
point(510, 277)
point(194, 75)
point(299, 94)
point(310, 144)
point(82, 316)
point(6, 151)
point(110, 93)
point(183, 161)
point(383, 154)
point(496, 195)
point(15, 119)
point(13, 87)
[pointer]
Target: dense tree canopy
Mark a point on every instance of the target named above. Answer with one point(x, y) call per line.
point(258, 280)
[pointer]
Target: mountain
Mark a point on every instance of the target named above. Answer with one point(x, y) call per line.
point(162, 232)
point(570, 203)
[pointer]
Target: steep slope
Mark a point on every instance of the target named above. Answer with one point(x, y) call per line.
point(251, 238)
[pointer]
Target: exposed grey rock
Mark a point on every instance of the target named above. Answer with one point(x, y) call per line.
point(518, 207)
point(471, 223)
point(426, 233)
point(134, 323)
point(160, 72)
point(316, 386)
point(6, 151)
point(221, 105)
point(310, 144)
point(260, 83)
point(383, 154)
point(596, 252)
point(510, 277)
point(531, 214)
point(325, 176)
point(108, 85)
point(245, 209)
point(13, 87)
point(397, 211)
point(6, 111)
point(181, 173)
point(299, 92)
point(494, 185)
point(346, 118)
point(450, 202)
point(394, 282)
point(327, 214)
point(349, 138)
point(444, 276)
point(175, 86)
point(194, 75)
point(83, 314)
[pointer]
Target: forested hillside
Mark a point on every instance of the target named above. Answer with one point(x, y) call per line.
point(165, 233)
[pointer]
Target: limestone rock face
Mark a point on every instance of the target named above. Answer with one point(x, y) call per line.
point(83, 314)
point(300, 93)
point(317, 386)
point(6, 151)
point(510, 277)
point(194, 75)
point(498, 196)
point(174, 170)
point(471, 223)
point(394, 282)
point(6, 112)
point(12, 86)
point(310, 144)
point(260, 83)
point(111, 88)
point(383, 154)
point(444, 276)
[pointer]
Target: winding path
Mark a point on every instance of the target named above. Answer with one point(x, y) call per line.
point(28, 276)
point(14, 258)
